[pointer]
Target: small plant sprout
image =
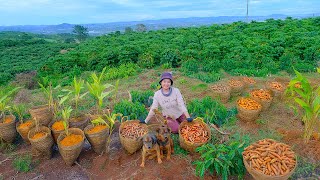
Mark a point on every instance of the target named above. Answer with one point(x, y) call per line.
point(47, 89)
point(66, 112)
point(20, 109)
point(308, 98)
point(4, 101)
point(77, 86)
point(98, 90)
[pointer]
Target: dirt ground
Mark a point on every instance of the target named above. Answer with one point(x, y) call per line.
point(117, 164)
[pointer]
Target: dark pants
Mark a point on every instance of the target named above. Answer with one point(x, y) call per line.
point(174, 124)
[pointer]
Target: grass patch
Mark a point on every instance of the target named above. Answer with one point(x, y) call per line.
point(199, 87)
point(177, 148)
point(22, 163)
point(305, 169)
point(263, 134)
point(7, 148)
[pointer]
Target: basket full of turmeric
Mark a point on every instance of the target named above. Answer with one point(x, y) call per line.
point(57, 128)
point(129, 132)
point(248, 109)
point(24, 128)
point(269, 160)
point(70, 144)
point(277, 88)
point(262, 96)
point(41, 142)
point(97, 136)
point(8, 130)
point(193, 134)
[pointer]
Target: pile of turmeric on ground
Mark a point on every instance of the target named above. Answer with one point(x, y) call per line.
point(71, 140)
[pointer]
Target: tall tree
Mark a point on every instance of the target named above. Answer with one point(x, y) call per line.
point(128, 30)
point(81, 32)
point(141, 28)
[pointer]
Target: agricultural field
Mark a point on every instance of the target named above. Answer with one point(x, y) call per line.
point(247, 82)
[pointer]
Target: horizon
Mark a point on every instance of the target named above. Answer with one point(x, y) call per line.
point(49, 12)
point(293, 15)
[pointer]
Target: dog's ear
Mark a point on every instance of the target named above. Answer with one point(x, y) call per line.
point(139, 138)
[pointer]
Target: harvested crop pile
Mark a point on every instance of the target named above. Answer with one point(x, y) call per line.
point(26, 124)
point(7, 120)
point(71, 140)
point(133, 131)
point(270, 157)
point(220, 88)
point(39, 135)
point(261, 94)
point(248, 80)
point(96, 129)
point(235, 83)
point(276, 86)
point(248, 103)
point(195, 133)
point(58, 126)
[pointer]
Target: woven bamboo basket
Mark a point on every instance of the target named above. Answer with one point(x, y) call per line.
point(189, 146)
point(129, 144)
point(41, 147)
point(70, 153)
point(97, 140)
point(8, 131)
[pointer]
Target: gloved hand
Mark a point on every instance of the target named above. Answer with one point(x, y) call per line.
point(190, 119)
point(142, 121)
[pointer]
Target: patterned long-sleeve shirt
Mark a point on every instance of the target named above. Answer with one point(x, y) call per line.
point(171, 106)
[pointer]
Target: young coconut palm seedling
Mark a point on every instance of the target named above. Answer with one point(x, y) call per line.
point(66, 112)
point(308, 98)
point(44, 113)
point(58, 126)
point(98, 89)
point(77, 120)
point(77, 86)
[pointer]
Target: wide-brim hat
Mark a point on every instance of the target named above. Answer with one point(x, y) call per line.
point(166, 75)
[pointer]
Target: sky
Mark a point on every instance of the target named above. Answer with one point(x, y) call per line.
point(49, 12)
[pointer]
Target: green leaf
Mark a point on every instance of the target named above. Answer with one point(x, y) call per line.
point(301, 102)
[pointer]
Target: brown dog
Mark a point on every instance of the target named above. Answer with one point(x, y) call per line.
point(150, 146)
point(164, 140)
